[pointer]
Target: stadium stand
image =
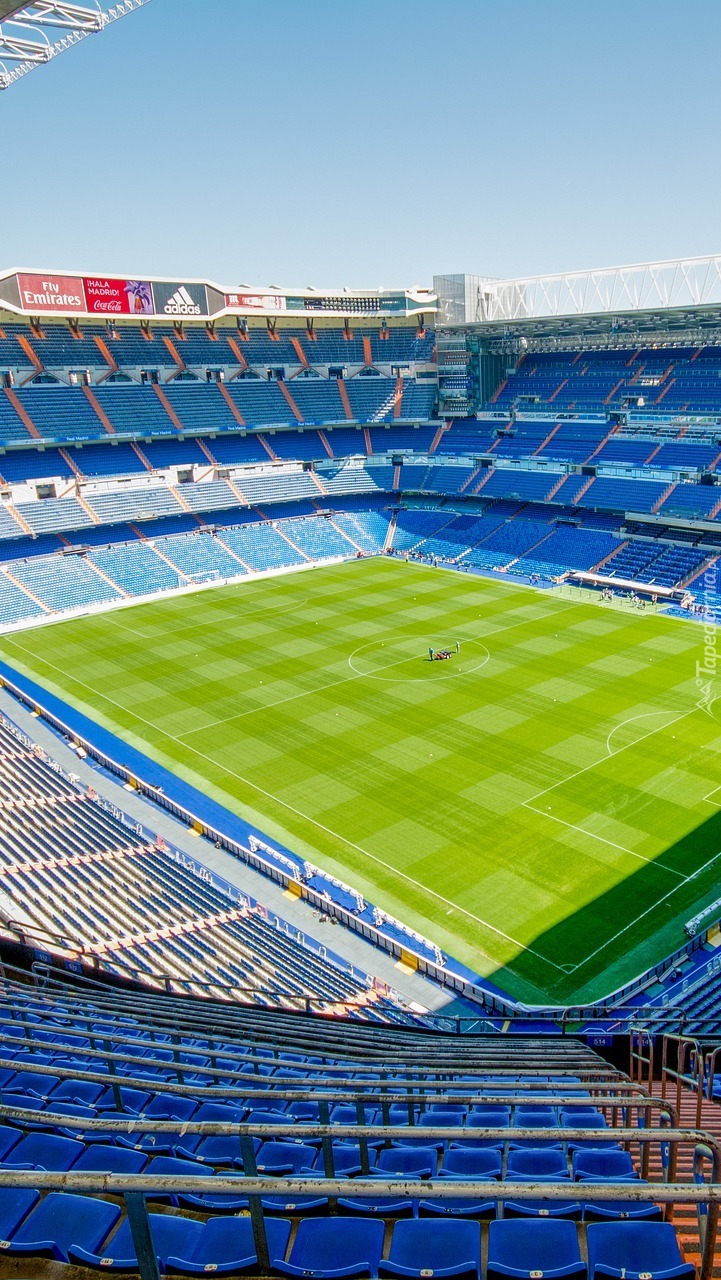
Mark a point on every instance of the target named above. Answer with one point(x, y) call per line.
point(167, 484)
point(276, 1117)
point(90, 881)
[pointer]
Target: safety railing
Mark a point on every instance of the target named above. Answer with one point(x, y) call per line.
point(687, 1073)
point(684, 1062)
point(704, 1193)
point(641, 1055)
point(173, 1015)
point(359, 1093)
point(710, 1069)
point(588, 1074)
point(654, 1017)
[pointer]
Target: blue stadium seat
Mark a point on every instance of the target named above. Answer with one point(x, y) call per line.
point(378, 1205)
point(423, 1247)
point(604, 1165)
point(334, 1247)
point(9, 1138)
point(469, 1163)
point(170, 1235)
point(620, 1210)
point(306, 1203)
point(98, 1158)
point(524, 1248)
point(45, 1151)
point(484, 1120)
point(63, 1223)
point(634, 1250)
point(594, 1123)
point(537, 1163)
point(15, 1205)
point(224, 1246)
point(421, 1162)
point(285, 1157)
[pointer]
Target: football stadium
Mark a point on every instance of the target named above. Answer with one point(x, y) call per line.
point(360, 763)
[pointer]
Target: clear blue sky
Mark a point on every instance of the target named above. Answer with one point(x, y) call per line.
point(369, 142)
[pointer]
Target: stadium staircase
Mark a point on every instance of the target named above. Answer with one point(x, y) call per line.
point(22, 414)
point(709, 1120)
point(675, 1068)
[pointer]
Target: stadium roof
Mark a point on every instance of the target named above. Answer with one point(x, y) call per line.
point(32, 34)
point(641, 289)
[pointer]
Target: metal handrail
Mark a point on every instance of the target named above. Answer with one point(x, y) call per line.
point(638, 1036)
point(712, 1058)
point(135, 1187)
point(532, 1057)
point(431, 1023)
point(310, 1079)
point(174, 1016)
point(529, 1052)
point(687, 1048)
point(377, 1091)
point(555, 1017)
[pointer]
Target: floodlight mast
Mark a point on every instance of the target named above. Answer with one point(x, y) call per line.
point(21, 51)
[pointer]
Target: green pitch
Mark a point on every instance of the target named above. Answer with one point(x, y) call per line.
point(546, 805)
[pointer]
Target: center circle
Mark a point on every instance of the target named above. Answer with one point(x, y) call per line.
point(404, 657)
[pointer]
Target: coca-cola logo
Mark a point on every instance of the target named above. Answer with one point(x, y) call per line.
point(118, 297)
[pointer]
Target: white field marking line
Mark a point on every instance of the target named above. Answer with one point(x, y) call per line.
point(292, 697)
point(707, 799)
point(645, 715)
point(312, 821)
point(270, 705)
point(375, 675)
point(192, 626)
point(592, 835)
point(357, 675)
point(366, 854)
point(561, 782)
point(653, 907)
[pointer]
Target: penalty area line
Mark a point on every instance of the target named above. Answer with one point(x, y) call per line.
point(593, 836)
point(612, 755)
point(686, 880)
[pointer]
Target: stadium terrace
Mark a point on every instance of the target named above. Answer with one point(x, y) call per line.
point(399, 607)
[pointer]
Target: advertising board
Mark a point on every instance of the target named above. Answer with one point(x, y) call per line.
point(173, 298)
point(255, 301)
point(118, 297)
point(51, 293)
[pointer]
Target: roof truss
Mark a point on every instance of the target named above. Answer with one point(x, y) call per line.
point(692, 282)
point(33, 34)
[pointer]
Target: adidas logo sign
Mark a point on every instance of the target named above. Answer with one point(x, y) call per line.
point(181, 304)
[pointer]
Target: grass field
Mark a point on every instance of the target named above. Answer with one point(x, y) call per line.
point(542, 806)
